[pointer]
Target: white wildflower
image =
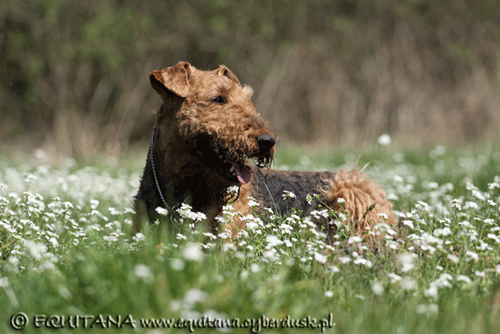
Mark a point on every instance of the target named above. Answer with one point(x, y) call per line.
point(493, 186)
point(177, 264)
point(254, 267)
point(232, 189)
point(408, 283)
point(54, 242)
point(328, 294)
point(210, 235)
point(354, 239)
point(384, 140)
point(364, 262)
point(382, 215)
point(194, 296)
point(273, 241)
point(253, 203)
point(406, 260)
point(193, 252)
point(442, 232)
point(432, 309)
point(320, 258)
point(161, 211)
point(139, 237)
point(285, 228)
point(288, 194)
point(143, 272)
point(36, 249)
point(455, 203)
point(432, 292)
point(94, 204)
point(186, 211)
point(443, 281)
point(30, 177)
point(310, 198)
point(175, 305)
point(408, 223)
point(478, 195)
point(228, 247)
point(427, 309)
point(270, 254)
point(471, 256)
point(398, 179)
point(493, 237)
point(394, 277)
point(345, 259)
point(463, 278)
point(431, 185)
point(422, 206)
point(180, 236)
point(318, 214)
point(392, 197)
point(334, 269)
point(4, 282)
point(471, 205)
point(377, 288)
point(480, 273)
point(40, 154)
point(465, 224)
point(437, 151)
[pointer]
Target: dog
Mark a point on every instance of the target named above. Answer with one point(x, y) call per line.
point(208, 137)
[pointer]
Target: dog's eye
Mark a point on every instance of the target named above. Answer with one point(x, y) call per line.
point(219, 99)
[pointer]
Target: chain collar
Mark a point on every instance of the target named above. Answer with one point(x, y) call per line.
point(151, 149)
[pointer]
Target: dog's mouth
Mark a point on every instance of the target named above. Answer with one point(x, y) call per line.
point(242, 172)
point(232, 165)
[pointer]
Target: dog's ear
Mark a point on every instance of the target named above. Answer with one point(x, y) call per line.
point(174, 79)
point(223, 70)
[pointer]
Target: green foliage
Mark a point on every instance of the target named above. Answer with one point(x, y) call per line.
point(65, 250)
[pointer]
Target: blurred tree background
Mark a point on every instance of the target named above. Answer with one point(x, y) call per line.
point(74, 74)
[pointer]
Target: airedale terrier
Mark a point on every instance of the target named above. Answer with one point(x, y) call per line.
point(206, 134)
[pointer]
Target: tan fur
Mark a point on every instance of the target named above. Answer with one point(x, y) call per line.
point(365, 201)
point(207, 128)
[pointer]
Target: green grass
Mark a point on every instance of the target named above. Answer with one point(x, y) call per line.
point(65, 251)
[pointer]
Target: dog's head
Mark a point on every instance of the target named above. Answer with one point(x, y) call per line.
point(214, 115)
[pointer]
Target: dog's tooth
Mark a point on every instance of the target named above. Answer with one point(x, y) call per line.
point(231, 170)
point(216, 150)
point(220, 156)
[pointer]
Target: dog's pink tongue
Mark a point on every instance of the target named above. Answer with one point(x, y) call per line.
point(243, 173)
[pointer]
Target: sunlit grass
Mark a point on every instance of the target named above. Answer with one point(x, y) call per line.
point(65, 249)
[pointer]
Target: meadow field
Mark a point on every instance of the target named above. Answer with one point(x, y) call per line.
point(67, 260)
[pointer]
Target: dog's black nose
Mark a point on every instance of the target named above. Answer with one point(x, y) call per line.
point(266, 142)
